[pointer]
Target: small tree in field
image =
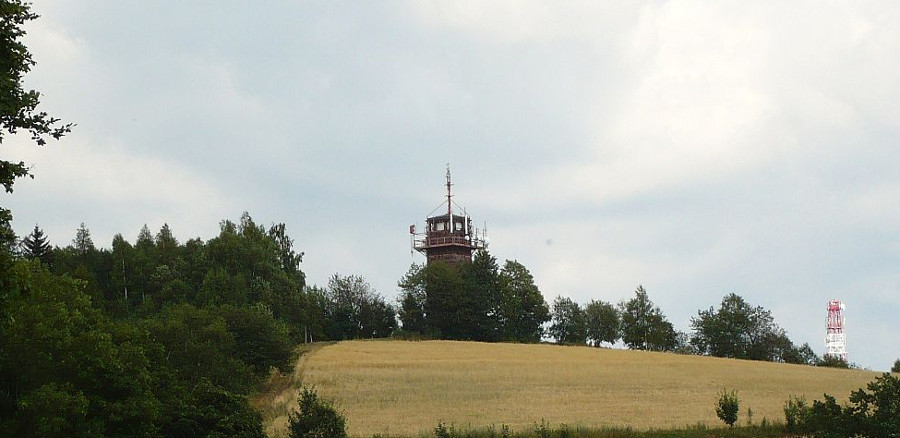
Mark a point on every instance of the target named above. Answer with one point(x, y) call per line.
point(317, 418)
point(896, 367)
point(727, 407)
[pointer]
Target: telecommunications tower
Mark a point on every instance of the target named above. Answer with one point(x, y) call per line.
point(835, 342)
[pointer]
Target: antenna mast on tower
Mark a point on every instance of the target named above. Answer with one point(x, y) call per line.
point(449, 196)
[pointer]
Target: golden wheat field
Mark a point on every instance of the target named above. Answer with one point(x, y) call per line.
point(405, 388)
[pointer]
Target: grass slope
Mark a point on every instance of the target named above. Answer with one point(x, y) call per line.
point(405, 388)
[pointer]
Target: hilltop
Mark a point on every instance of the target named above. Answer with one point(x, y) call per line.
point(405, 388)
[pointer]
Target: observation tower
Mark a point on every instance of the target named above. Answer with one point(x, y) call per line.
point(448, 237)
point(835, 342)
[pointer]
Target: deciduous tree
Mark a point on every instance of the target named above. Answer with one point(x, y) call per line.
point(738, 330)
point(567, 322)
point(523, 310)
point(603, 322)
point(644, 327)
point(18, 107)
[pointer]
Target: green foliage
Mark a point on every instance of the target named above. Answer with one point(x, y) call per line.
point(738, 330)
point(644, 327)
point(412, 300)
point(472, 301)
point(36, 246)
point(444, 301)
point(796, 412)
point(206, 410)
point(896, 367)
point(568, 322)
point(83, 242)
point(523, 310)
point(354, 310)
point(444, 431)
point(481, 282)
point(833, 362)
point(63, 363)
point(603, 322)
point(199, 346)
point(261, 341)
point(871, 412)
point(727, 407)
point(18, 108)
point(316, 418)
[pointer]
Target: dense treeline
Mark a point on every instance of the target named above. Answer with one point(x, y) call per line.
point(482, 302)
point(735, 330)
point(160, 338)
point(476, 301)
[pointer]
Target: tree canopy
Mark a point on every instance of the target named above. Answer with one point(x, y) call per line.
point(472, 301)
point(568, 325)
point(644, 326)
point(741, 331)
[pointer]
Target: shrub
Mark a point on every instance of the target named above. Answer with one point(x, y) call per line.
point(872, 413)
point(727, 407)
point(795, 413)
point(833, 362)
point(317, 418)
point(442, 431)
point(896, 367)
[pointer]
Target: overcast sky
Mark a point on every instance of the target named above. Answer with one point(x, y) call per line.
point(696, 148)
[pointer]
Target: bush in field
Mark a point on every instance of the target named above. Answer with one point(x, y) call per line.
point(795, 412)
point(896, 367)
point(317, 418)
point(872, 413)
point(833, 362)
point(727, 407)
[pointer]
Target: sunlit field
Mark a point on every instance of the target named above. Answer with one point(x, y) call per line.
point(405, 388)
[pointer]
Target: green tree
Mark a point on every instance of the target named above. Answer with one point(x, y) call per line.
point(567, 322)
point(167, 248)
point(727, 407)
point(896, 367)
point(316, 418)
point(18, 108)
point(481, 296)
point(803, 355)
point(36, 246)
point(354, 310)
point(411, 300)
point(871, 412)
point(833, 362)
point(290, 259)
point(602, 320)
point(739, 330)
point(66, 369)
point(199, 345)
point(206, 410)
point(444, 304)
point(83, 243)
point(644, 327)
point(523, 310)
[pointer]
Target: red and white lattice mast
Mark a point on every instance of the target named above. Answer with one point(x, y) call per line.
point(835, 340)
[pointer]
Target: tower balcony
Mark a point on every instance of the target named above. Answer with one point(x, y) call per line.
point(426, 242)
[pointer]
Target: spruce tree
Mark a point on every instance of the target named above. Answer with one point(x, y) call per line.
point(36, 246)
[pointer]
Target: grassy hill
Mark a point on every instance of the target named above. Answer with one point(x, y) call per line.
point(405, 388)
